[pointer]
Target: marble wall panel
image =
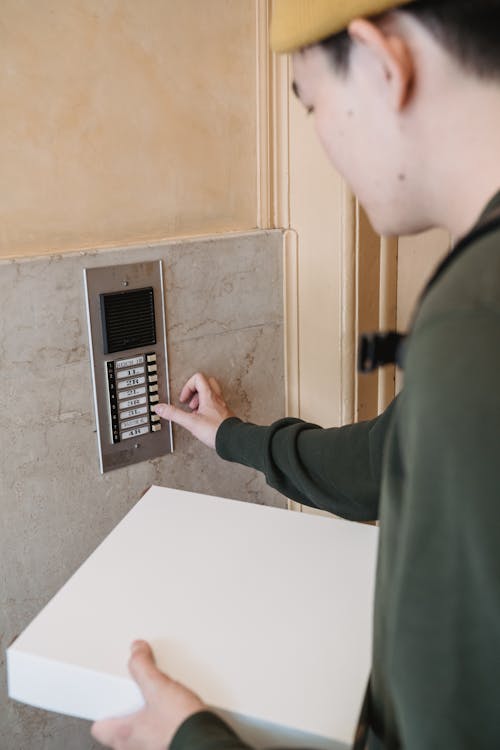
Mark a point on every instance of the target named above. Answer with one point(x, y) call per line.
point(224, 316)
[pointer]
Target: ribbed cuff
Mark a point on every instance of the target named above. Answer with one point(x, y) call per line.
point(223, 436)
point(242, 442)
point(206, 731)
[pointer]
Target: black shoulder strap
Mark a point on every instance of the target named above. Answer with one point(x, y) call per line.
point(378, 349)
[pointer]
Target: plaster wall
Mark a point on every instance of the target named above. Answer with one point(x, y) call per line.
point(224, 316)
point(125, 121)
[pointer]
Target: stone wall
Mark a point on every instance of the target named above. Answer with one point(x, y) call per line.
point(224, 316)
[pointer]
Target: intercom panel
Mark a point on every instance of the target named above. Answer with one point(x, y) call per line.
point(128, 348)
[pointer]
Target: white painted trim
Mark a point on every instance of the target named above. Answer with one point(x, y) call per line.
point(280, 141)
point(387, 314)
point(263, 129)
point(273, 192)
point(290, 294)
point(348, 302)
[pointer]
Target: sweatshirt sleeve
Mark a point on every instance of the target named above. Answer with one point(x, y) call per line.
point(338, 469)
point(206, 731)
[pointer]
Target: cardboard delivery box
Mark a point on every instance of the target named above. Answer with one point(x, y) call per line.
point(266, 613)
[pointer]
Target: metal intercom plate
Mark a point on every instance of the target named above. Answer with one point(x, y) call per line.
point(128, 349)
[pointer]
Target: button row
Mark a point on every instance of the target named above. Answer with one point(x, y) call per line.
point(132, 376)
point(135, 432)
point(139, 400)
point(137, 412)
point(154, 398)
point(130, 393)
point(132, 362)
point(129, 372)
point(137, 422)
point(133, 393)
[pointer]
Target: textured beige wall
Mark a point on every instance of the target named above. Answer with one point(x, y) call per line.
point(316, 215)
point(124, 121)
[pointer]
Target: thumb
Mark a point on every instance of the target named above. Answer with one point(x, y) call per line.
point(107, 731)
point(174, 414)
point(142, 667)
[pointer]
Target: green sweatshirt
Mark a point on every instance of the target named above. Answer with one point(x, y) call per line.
point(429, 469)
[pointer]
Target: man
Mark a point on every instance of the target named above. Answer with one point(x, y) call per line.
point(406, 101)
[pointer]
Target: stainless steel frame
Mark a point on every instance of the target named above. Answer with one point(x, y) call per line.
point(118, 279)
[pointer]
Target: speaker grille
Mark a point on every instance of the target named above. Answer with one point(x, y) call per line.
point(128, 320)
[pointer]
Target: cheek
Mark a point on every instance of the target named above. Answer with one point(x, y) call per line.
point(350, 151)
point(338, 138)
point(329, 136)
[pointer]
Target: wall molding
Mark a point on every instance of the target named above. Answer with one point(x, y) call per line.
point(272, 81)
point(388, 307)
point(348, 272)
point(264, 124)
point(361, 291)
point(292, 341)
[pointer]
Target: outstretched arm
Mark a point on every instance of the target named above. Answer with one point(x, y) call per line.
point(337, 469)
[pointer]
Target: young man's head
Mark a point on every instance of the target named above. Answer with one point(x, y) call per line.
point(405, 102)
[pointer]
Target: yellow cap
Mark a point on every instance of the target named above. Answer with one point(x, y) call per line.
point(297, 23)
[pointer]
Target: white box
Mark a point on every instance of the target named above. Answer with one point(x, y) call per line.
point(264, 612)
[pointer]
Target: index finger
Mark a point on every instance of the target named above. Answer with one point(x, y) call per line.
point(197, 383)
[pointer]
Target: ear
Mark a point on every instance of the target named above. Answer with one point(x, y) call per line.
point(393, 55)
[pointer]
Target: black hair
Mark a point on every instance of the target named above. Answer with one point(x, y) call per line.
point(467, 29)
